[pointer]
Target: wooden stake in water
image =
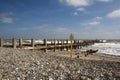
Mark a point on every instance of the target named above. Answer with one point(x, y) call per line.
point(71, 39)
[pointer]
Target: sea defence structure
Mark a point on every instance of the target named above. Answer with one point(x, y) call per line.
point(46, 44)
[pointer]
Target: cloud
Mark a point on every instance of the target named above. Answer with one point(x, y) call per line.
point(98, 18)
point(96, 21)
point(75, 13)
point(78, 10)
point(104, 0)
point(77, 3)
point(114, 14)
point(81, 3)
point(81, 9)
point(93, 23)
point(5, 18)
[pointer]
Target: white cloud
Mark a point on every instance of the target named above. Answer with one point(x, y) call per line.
point(81, 3)
point(104, 0)
point(98, 18)
point(78, 10)
point(5, 18)
point(91, 23)
point(75, 13)
point(114, 14)
point(94, 23)
point(77, 3)
point(81, 9)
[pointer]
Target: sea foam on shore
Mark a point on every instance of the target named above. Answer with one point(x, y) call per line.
point(106, 48)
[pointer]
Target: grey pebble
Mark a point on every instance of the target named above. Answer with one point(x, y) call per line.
point(29, 65)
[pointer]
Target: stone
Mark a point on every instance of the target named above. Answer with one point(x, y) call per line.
point(17, 64)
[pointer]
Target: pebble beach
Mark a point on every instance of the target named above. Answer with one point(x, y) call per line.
point(19, 64)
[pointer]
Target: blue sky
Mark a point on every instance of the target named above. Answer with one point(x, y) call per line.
point(86, 19)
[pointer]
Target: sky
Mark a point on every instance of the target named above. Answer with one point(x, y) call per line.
point(57, 19)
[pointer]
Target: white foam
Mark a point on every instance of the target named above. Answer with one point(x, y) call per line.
point(107, 48)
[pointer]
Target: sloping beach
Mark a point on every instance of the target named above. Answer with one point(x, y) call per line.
point(18, 64)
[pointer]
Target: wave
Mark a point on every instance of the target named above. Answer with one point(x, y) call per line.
point(107, 48)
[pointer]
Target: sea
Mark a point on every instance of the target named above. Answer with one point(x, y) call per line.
point(110, 48)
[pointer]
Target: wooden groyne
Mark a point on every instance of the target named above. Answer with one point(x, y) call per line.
point(45, 44)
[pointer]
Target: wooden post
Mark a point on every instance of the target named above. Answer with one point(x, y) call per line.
point(20, 43)
point(33, 43)
point(52, 42)
point(67, 47)
point(74, 46)
point(58, 45)
point(14, 43)
point(1, 42)
point(78, 44)
point(57, 42)
point(62, 45)
point(54, 45)
point(45, 44)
